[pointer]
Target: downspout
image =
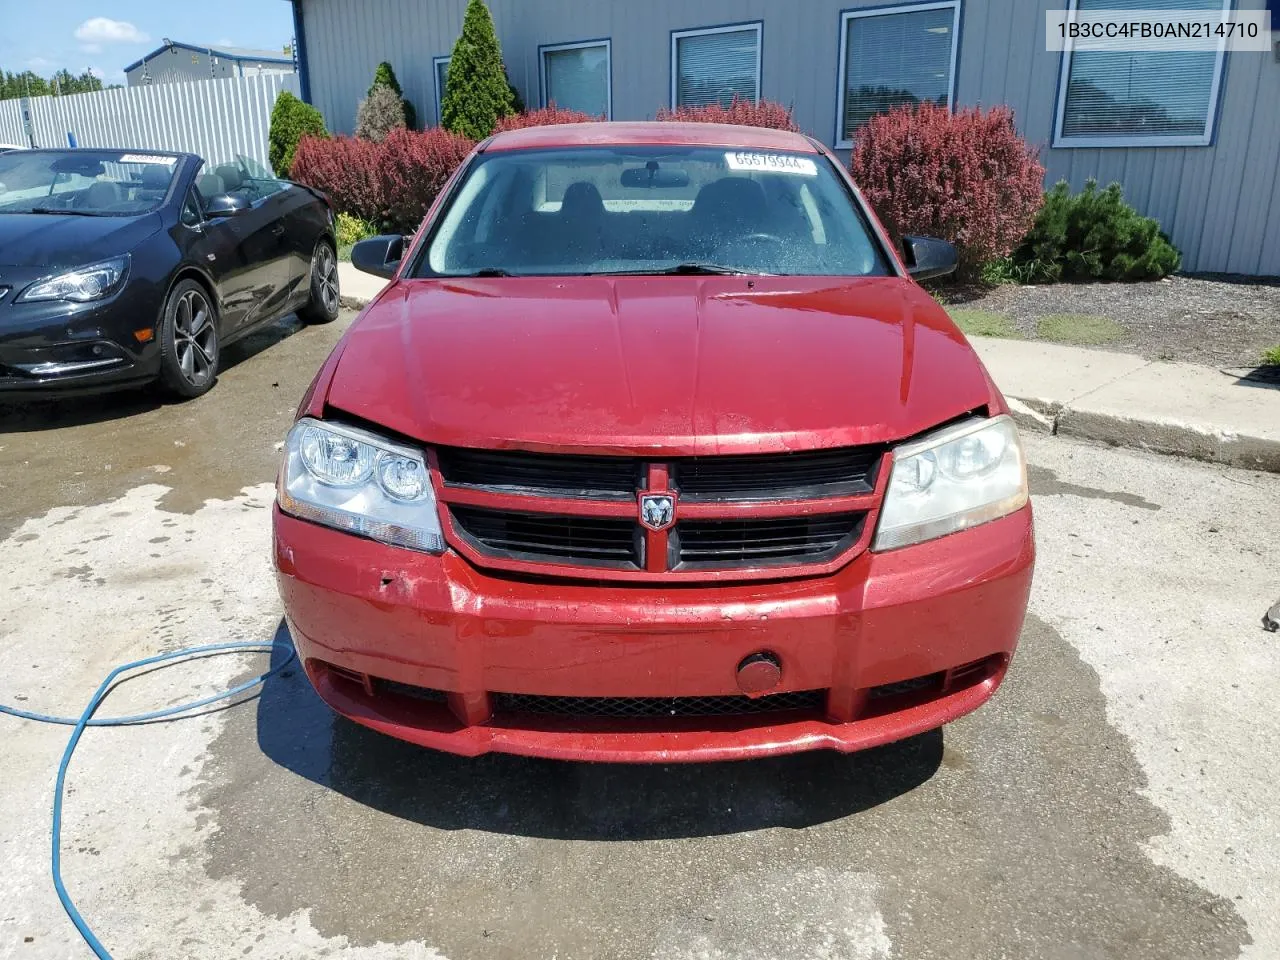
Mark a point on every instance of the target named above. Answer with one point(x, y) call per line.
point(300, 52)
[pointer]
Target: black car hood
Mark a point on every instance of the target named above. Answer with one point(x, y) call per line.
point(48, 240)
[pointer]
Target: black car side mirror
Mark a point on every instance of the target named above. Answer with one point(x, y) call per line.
point(379, 255)
point(226, 205)
point(927, 257)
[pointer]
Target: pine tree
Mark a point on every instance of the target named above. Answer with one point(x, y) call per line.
point(477, 93)
point(384, 76)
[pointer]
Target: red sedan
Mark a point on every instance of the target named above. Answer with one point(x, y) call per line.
point(653, 450)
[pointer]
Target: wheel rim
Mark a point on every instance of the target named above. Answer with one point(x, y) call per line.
point(326, 273)
point(195, 339)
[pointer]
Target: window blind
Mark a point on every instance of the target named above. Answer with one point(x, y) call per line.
point(1141, 94)
point(716, 67)
point(893, 59)
point(578, 79)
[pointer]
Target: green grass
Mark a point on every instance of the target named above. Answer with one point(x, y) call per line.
point(1079, 328)
point(344, 251)
point(1271, 358)
point(985, 323)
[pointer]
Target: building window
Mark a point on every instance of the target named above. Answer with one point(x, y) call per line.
point(892, 56)
point(715, 65)
point(441, 65)
point(1148, 98)
point(576, 76)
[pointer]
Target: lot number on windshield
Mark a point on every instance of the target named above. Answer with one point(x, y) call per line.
point(772, 162)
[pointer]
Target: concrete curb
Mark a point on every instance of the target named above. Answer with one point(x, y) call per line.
point(1084, 419)
point(1178, 439)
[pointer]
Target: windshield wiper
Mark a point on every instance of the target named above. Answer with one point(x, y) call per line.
point(691, 269)
point(485, 272)
point(68, 212)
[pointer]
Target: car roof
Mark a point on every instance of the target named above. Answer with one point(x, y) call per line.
point(650, 133)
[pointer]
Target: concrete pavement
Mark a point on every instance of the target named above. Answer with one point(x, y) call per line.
point(1111, 801)
point(1115, 398)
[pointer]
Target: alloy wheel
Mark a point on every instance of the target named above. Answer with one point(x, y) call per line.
point(195, 339)
point(324, 268)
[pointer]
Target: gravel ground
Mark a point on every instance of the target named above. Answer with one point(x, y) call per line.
point(1209, 320)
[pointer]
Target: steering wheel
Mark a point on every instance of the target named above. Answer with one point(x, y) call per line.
point(759, 237)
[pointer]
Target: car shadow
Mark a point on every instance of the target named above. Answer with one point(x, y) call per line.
point(576, 801)
point(31, 412)
point(1266, 377)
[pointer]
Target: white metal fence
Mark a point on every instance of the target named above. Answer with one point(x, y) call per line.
point(11, 129)
point(216, 119)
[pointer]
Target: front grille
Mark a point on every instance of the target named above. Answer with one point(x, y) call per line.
point(552, 538)
point(485, 492)
point(778, 476)
point(774, 541)
point(640, 708)
point(766, 476)
point(546, 474)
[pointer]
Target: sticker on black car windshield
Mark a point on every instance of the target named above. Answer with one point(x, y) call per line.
point(147, 158)
point(771, 163)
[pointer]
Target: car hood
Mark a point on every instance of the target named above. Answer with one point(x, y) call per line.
point(40, 240)
point(687, 365)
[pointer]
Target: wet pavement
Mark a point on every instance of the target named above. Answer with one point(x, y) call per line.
point(1110, 802)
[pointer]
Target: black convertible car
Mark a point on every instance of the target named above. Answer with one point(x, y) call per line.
point(120, 267)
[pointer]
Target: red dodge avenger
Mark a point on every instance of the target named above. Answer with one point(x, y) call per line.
point(652, 449)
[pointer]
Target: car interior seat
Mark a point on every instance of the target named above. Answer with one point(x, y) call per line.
point(728, 209)
point(210, 185)
point(102, 195)
point(580, 222)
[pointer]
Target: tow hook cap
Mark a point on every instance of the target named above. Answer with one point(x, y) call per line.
point(759, 673)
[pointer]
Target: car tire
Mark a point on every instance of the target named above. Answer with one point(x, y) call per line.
point(189, 351)
point(326, 300)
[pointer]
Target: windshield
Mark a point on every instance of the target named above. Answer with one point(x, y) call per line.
point(107, 183)
point(609, 210)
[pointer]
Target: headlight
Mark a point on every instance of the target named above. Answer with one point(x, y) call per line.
point(81, 285)
point(357, 481)
point(959, 477)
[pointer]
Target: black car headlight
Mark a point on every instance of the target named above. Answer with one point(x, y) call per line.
point(82, 284)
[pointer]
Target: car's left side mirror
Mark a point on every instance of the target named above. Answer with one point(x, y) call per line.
point(927, 257)
point(225, 205)
point(379, 255)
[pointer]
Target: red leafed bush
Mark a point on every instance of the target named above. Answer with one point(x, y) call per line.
point(766, 113)
point(966, 177)
point(391, 184)
point(345, 168)
point(412, 167)
point(541, 118)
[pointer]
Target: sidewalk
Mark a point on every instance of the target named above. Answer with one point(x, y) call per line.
point(357, 288)
point(1125, 400)
point(1115, 398)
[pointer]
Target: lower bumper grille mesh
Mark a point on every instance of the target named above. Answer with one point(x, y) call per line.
point(630, 708)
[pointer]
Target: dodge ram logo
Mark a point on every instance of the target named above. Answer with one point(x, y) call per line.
point(657, 510)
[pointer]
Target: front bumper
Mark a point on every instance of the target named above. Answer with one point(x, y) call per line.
point(71, 347)
point(417, 646)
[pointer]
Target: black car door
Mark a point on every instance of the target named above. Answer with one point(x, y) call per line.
point(305, 218)
point(246, 255)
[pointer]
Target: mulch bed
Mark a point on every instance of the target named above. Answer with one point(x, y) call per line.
point(1214, 320)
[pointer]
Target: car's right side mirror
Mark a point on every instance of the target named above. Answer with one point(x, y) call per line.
point(927, 257)
point(379, 255)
